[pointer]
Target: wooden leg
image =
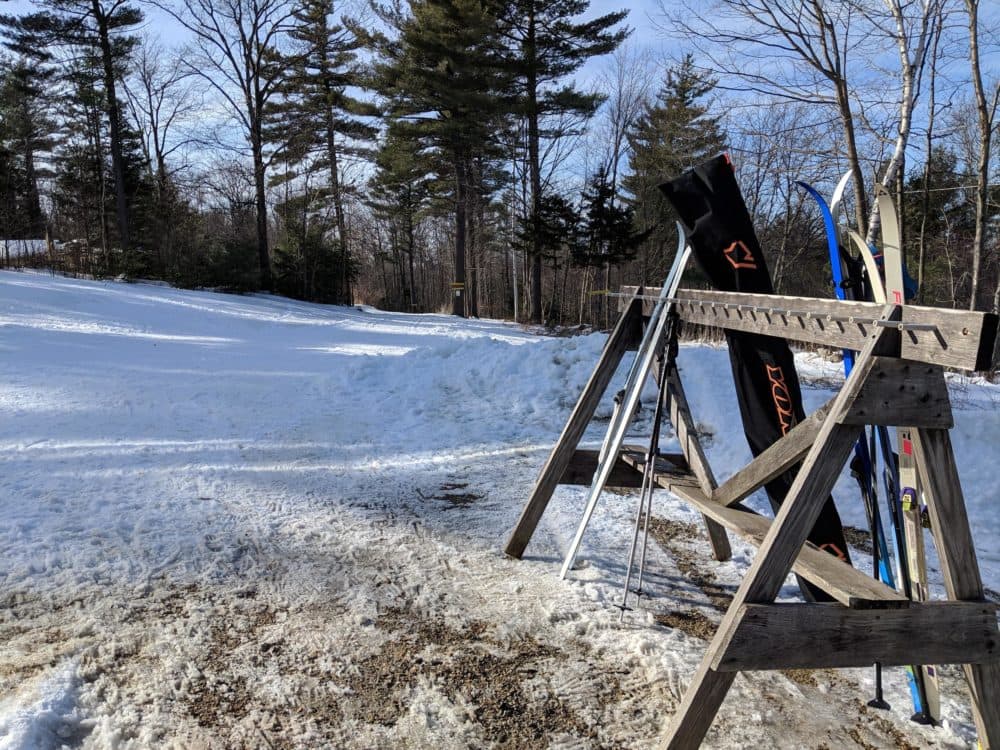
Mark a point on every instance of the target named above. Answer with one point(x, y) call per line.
point(953, 539)
point(562, 453)
point(764, 579)
point(777, 552)
point(687, 436)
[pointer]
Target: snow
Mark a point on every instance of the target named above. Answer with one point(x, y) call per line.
point(224, 517)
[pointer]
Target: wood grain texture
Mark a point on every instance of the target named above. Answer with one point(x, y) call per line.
point(942, 489)
point(846, 584)
point(577, 423)
point(583, 463)
point(818, 636)
point(900, 392)
point(781, 545)
point(773, 462)
point(687, 436)
point(963, 339)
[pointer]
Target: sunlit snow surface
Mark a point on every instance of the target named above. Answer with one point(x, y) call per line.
point(155, 440)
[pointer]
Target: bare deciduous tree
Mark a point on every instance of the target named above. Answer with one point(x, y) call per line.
point(234, 45)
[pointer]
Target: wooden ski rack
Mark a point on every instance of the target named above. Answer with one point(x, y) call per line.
point(898, 379)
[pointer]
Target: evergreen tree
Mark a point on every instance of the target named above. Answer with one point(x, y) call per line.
point(941, 231)
point(101, 30)
point(307, 265)
point(84, 196)
point(399, 194)
point(609, 235)
point(673, 133)
point(316, 109)
point(29, 133)
point(445, 79)
point(547, 44)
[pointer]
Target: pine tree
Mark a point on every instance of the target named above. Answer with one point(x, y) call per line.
point(445, 79)
point(673, 133)
point(100, 29)
point(609, 237)
point(547, 45)
point(400, 193)
point(28, 132)
point(316, 110)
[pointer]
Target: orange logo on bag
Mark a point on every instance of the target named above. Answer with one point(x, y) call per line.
point(833, 549)
point(739, 255)
point(782, 398)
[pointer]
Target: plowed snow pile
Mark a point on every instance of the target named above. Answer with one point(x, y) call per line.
point(251, 522)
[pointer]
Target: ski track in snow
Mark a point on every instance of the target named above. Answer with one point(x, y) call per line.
point(225, 517)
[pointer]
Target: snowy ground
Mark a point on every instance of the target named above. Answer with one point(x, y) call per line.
point(251, 522)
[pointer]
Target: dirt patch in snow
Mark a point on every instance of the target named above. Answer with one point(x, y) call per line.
point(690, 622)
point(676, 537)
point(490, 676)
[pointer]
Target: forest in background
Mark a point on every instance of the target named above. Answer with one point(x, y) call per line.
point(489, 158)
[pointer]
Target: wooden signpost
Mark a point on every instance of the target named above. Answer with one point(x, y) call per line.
point(897, 380)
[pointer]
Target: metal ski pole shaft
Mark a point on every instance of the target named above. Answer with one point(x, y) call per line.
point(646, 478)
point(669, 364)
point(649, 469)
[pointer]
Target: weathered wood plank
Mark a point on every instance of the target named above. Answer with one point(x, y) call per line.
point(900, 392)
point(846, 584)
point(963, 339)
point(582, 413)
point(773, 462)
point(780, 548)
point(687, 436)
point(942, 488)
point(583, 464)
point(818, 636)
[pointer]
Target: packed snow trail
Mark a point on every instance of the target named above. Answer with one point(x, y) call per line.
point(249, 521)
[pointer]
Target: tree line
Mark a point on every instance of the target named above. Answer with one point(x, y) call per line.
point(443, 155)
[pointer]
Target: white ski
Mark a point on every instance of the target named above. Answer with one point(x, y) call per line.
point(908, 485)
point(623, 415)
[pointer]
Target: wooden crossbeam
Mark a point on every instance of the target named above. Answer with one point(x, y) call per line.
point(844, 583)
point(778, 458)
point(952, 338)
point(583, 464)
point(902, 393)
point(818, 636)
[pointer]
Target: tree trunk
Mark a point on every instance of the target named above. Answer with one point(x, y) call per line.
point(925, 198)
point(114, 120)
point(472, 243)
point(263, 253)
point(336, 194)
point(411, 247)
point(458, 293)
point(984, 121)
point(534, 168)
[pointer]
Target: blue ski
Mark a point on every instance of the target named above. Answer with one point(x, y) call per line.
point(862, 456)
